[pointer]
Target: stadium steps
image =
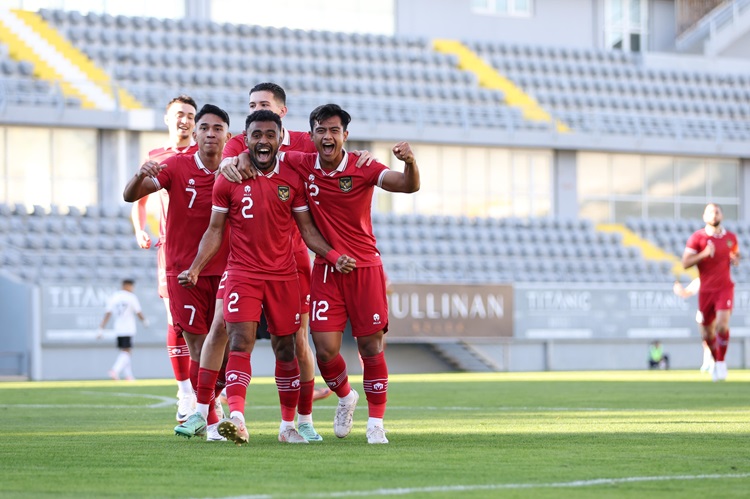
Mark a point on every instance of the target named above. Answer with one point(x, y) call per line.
point(488, 77)
point(55, 59)
point(649, 250)
point(463, 357)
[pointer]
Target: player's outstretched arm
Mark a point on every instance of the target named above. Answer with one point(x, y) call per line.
point(408, 181)
point(138, 216)
point(138, 187)
point(237, 168)
point(208, 247)
point(316, 242)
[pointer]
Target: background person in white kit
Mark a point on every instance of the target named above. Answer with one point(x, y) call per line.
point(124, 307)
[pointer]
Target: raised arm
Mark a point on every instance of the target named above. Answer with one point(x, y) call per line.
point(138, 186)
point(209, 246)
point(690, 258)
point(316, 242)
point(408, 181)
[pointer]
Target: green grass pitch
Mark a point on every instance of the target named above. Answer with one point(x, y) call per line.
point(549, 435)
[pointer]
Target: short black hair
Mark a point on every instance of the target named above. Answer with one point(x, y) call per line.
point(211, 109)
point(263, 115)
point(128, 282)
point(185, 99)
point(276, 90)
point(322, 113)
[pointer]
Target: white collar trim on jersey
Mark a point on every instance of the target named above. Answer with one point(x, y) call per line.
point(340, 168)
point(718, 234)
point(200, 164)
point(275, 170)
point(286, 140)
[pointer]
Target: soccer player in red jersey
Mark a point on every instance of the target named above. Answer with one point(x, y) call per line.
point(189, 179)
point(180, 121)
point(261, 275)
point(713, 249)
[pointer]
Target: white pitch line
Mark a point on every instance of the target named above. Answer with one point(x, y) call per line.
point(498, 486)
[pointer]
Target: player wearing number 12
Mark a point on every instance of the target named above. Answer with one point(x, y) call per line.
point(261, 273)
point(341, 201)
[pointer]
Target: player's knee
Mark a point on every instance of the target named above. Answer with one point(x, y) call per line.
point(284, 349)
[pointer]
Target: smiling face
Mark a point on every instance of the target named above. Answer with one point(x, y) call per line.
point(211, 133)
point(329, 137)
point(712, 215)
point(180, 121)
point(262, 141)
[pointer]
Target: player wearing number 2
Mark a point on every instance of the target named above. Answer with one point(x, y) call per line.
point(713, 249)
point(189, 179)
point(261, 274)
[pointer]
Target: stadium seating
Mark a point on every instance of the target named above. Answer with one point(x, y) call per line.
point(611, 92)
point(19, 87)
point(386, 78)
point(436, 249)
point(98, 244)
point(379, 78)
point(48, 246)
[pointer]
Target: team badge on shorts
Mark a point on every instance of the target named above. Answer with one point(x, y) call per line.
point(345, 184)
point(283, 192)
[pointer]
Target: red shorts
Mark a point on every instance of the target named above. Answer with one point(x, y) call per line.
point(222, 286)
point(245, 298)
point(304, 269)
point(358, 296)
point(161, 272)
point(193, 308)
point(709, 302)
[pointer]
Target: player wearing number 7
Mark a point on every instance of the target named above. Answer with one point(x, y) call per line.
point(261, 272)
point(189, 179)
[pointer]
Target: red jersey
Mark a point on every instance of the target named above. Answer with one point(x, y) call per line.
point(714, 271)
point(159, 155)
point(189, 185)
point(292, 141)
point(341, 202)
point(259, 213)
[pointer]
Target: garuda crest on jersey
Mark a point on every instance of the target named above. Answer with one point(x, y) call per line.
point(345, 184)
point(283, 192)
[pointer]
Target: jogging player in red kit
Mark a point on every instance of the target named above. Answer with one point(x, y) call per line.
point(713, 249)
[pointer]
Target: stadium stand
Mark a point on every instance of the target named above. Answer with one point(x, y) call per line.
point(612, 92)
point(47, 246)
point(19, 87)
point(485, 250)
point(380, 78)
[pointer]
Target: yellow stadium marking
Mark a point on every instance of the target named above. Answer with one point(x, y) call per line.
point(19, 49)
point(490, 78)
point(649, 250)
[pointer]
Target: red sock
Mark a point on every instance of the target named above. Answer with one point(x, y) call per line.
point(239, 373)
point(179, 355)
point(221, 381)
point(306, 391)
point(287, 382)
point(335, 376)
point(206, 385)
point(194, 369)
point(375, 381)
point(722, 343)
